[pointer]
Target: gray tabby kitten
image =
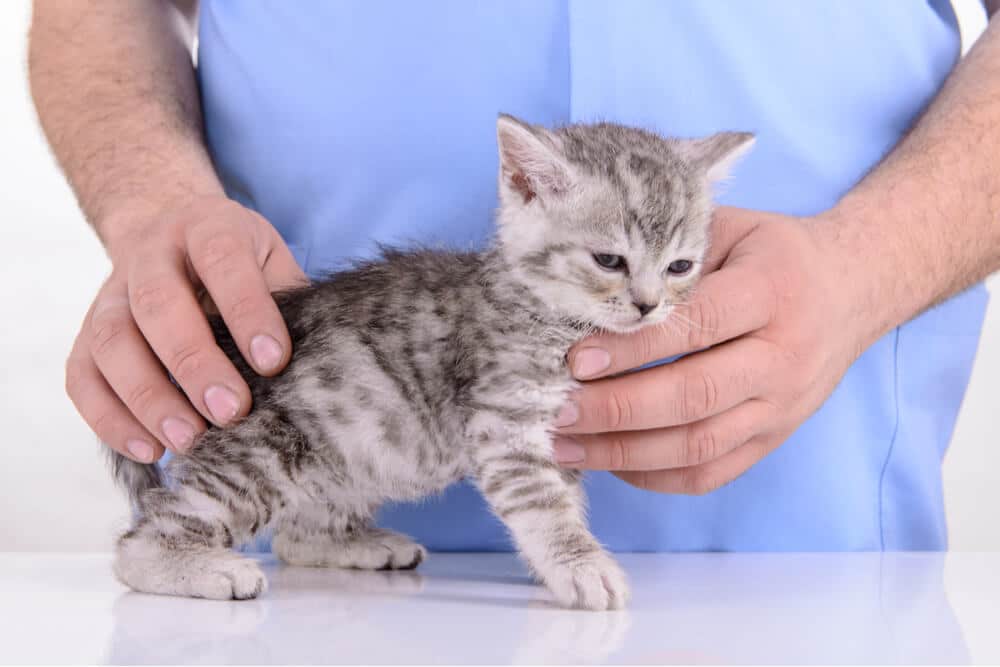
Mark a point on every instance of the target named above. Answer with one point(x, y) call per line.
point(424, 367)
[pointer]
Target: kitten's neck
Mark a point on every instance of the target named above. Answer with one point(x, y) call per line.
point(513, 299)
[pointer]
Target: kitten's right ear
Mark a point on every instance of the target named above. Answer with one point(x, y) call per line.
point(718, 153)
point(530, 163)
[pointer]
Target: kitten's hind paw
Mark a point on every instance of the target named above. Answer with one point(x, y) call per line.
point(371, 549)
point(216, 575)
point(593, 582)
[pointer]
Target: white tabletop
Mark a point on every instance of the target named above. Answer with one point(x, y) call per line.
point(483, 608)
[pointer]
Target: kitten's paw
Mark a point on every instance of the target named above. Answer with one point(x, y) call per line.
point(593, 582)
point(230, 578)
point(216, 575)
point(383, 550)
point(372, 549)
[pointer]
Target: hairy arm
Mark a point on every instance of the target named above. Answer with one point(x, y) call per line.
point(925, 223)
point(114, 85)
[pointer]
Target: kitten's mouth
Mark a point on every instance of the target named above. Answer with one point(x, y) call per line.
point(632, 326)
point(638, 322)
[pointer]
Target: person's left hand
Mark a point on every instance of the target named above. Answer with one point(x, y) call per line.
point(771, 331)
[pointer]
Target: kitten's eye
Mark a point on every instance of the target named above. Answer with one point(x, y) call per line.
point(679, 267)
point(610, 262)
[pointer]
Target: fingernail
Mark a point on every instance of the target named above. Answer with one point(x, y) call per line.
point(266, 352)
point(141, 450)
point(222, 403)
point(590, 361)
point(568, 414)
point(567, 450)
point(178, 432)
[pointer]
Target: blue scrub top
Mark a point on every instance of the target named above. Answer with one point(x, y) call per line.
point(355, 122)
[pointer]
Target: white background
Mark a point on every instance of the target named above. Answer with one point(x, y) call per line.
point(54, 491)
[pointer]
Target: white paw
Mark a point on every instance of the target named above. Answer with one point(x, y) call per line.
point(371, 550)
point(593, 582)
point(214, 574)
point(382, 550)
point(227, 577)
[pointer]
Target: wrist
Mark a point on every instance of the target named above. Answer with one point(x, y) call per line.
point(128, 222)
point(864, 274)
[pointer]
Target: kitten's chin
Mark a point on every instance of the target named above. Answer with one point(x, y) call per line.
point(630, 326)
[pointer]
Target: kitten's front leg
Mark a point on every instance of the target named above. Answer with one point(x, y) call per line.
point(543, 506)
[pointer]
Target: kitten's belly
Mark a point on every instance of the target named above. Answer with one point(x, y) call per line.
point(385, 448)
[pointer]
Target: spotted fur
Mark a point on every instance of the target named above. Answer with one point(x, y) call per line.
point(423, 367)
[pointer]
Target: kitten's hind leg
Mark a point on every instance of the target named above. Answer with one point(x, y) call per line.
point(324, 537)
point(152, 566)
point(182, 547)
point(181, 541)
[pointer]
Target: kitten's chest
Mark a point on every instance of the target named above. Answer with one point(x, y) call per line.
point(518, 388)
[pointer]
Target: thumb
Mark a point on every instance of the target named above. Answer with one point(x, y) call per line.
point(730, 225)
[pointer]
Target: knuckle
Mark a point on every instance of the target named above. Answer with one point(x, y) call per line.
point(701, 445)
point(645, 344)
point(150, 297)
point(216, 250)
point(106, 333)
point(703, 320)
point(186, 362)
point(140, 397)
point(618, 454)
point(242, 308)
point(617, 411)
point(699, 396)
point(745, 382)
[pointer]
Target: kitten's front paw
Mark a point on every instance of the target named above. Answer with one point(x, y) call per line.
point(227, 578)
point(593, 582)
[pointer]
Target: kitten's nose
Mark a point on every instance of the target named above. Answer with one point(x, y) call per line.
point(644, 308)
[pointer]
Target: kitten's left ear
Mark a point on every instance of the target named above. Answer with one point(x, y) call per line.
point(531, 164)
point(718, 153)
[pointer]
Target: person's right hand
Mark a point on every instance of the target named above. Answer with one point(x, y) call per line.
point(147, 320)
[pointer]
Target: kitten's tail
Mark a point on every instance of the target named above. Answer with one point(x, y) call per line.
point(135, 478)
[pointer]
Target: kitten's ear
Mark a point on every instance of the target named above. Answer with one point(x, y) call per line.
point(530, 162)
point(718, 153)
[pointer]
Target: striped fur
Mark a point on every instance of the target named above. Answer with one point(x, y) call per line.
point(424, 367)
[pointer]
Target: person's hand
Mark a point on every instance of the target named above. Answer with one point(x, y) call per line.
point(147, 320)
point(770, 334)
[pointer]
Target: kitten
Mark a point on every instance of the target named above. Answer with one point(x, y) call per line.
point(424, 367)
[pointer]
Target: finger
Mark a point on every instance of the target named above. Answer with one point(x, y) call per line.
point(165, 308)
point(101, 409)
point(728, 303)
point(281, 271)
point(223, 255)
point(707, 477)
point(136, 376)
point(674, 447)
point(730, 225)
point(685, 391)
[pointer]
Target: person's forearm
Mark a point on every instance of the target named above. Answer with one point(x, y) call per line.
point(115, 90)
point(925, 223)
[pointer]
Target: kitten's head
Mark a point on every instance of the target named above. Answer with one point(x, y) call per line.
point(606, 224)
